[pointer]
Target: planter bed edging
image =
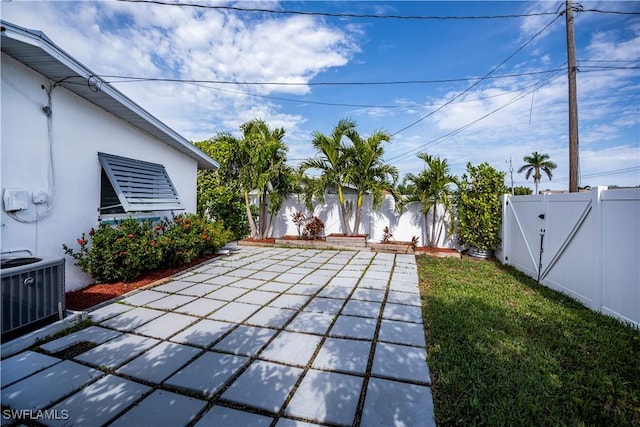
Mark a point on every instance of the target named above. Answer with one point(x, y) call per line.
point(394, 248)
point(352, 243)
point(347, 241)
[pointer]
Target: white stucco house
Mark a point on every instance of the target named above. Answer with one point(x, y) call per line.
point(72, 148)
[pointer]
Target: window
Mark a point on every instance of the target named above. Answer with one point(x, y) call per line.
point(109, 201)
point(129, 185)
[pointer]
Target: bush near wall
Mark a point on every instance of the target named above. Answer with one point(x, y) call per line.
point(478, 210)
point(124, 250)
point(187, 237)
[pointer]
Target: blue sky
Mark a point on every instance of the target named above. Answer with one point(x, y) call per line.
point(494, 120)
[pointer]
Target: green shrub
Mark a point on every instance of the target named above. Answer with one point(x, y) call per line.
point(218, 236)
point(124, 250)
point(218, 201)
point(478, 209)
point(522, 191)
point(219, 191)
point(186, 237)
point(118, 252)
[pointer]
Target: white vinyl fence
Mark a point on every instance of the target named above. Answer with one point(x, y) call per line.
point(586, 245)
point(403, 226)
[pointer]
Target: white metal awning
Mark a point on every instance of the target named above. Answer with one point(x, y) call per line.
point(140, 186)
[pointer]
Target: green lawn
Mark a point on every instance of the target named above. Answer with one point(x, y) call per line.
point(505, 351)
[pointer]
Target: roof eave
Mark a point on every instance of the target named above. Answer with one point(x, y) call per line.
point(55, 64)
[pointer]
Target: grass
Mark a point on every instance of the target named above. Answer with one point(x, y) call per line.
point(505, 351)
point(83, 324)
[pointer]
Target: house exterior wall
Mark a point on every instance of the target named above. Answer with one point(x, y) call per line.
point(79, 130)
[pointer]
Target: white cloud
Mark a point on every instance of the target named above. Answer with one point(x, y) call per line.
point(146, 40)
point(118, 38)
point(533, 24)
point(607, 46)
point(609, 114)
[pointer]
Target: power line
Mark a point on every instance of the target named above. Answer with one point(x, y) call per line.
point(134, 79)
point(300, 101)
point(610, 67)
point(336, 15)
point(204, 84)
point(365, 15)
point(611, 172)
point(614, 12)
point(609, 60)
point(482, 79)
point(335, 104)
point(440, 139)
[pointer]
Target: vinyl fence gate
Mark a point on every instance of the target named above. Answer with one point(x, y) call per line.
point(586, 245)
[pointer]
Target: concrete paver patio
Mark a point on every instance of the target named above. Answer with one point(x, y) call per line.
point(263, 337)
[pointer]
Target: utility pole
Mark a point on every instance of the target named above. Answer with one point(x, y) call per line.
point(511, 173)
point(573, 101)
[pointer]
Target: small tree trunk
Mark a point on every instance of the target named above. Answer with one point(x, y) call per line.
point(433, 240)
point(267, 228)
point(259, 224)
point(262, 219)
point(345, 221)
point(343, 212)
point(356, 224)
point(252, 223)
point(440, 226)
point(425, 230)
point(268, 218)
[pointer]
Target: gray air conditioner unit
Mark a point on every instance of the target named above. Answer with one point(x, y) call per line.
point(32, 293)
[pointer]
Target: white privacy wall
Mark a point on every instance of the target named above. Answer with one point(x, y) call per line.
point(590, 246)
point(403, 225)
point(80, 130)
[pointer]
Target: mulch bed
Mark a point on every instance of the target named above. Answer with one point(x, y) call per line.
point(95, 294)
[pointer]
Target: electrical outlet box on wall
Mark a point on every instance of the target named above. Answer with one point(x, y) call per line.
point(15, 199)
point(40, 197)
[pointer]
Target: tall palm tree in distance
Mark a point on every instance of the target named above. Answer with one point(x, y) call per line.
point(535, 164)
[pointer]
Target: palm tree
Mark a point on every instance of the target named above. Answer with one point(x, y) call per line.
point(432, 188)
point(367, 173)
point(537, 163)
point(264, 170)
point(331, 161)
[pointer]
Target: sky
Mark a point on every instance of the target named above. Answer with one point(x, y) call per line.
point(468, 89)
